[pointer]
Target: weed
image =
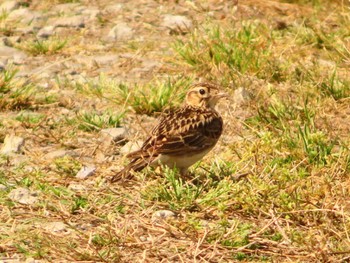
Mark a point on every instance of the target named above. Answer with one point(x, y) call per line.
point(155, 96)
point(66, 166)
point(43, 47)
point(13, 94)
point(243, 48)
point(335, 86)
point(95, 121)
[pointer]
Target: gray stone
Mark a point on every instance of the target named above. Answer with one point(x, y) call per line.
point(60, 153)
point(116, 134)
point(12, 144)
point(177, 23)
point(31, 260)
point(12, 54)
point(23, 196)
point(8, 6)
point(63, 8)
point(91, 13)
point(19, 159)
point(163, 214)
point(130, 147)
point(25, 30)
point(115, 8)
point(85, 172)
point(72, 21)
point(149, 65)
point(120, 32)
point(56, 227)
point(77, 187)
point(46, 31)
point(24, 15)
point(106, 59)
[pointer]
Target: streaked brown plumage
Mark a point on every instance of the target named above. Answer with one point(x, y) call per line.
point(183, 136)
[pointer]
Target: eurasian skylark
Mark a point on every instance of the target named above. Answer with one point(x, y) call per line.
point(182, 137)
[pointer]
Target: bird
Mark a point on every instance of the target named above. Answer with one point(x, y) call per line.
point(183, 136)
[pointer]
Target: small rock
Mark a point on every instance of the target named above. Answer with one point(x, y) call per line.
point(91, 13)
point(12, 144)
point(77, 187)
point(8, 6)
point(13, 54)
point(163, 214)
point(23, 196)
point(63, 8)
point(149, 65)
point(105, 59)
point(56, 227)
point(120, 32)
point(241, 95)
point(85, 172)
point(25, 31)
point(177, 24)
point(60, 153)
point(130, 147)
point(24, 15)
point(32, 260)
point(46, 31)
point(114, 8)
point(3, 187)
point(73, 21)
point(116, 134)
point(19, 159)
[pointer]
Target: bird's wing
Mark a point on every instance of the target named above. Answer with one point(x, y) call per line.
point(187, 132)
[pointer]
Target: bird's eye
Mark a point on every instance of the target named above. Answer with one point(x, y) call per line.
point(202, 91)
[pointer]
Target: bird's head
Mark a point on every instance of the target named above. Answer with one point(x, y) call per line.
point(204, 95)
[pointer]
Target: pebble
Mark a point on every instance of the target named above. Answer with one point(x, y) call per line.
point(91, 13)
point(12, 54)
point(178, 24)
point(56, 228)
point(60, 153)
point(163, 214)
point(106, 59)
point(12, 144)
point(130, 147)
point(85, 172)
point(23, 196)
point(24, 15)
point(120, 32)
point(63, 8)
point(46, 32)
point(115, 8)
point(72, 21)
point(114, 134)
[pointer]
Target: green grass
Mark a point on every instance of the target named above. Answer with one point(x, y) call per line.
point(95, 121)
point(43, 47)
point(155, 96)
point(18, 94)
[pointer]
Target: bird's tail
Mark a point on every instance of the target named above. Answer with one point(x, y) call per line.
point(135, 165)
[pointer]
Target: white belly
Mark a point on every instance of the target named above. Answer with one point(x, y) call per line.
point(182, 162)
